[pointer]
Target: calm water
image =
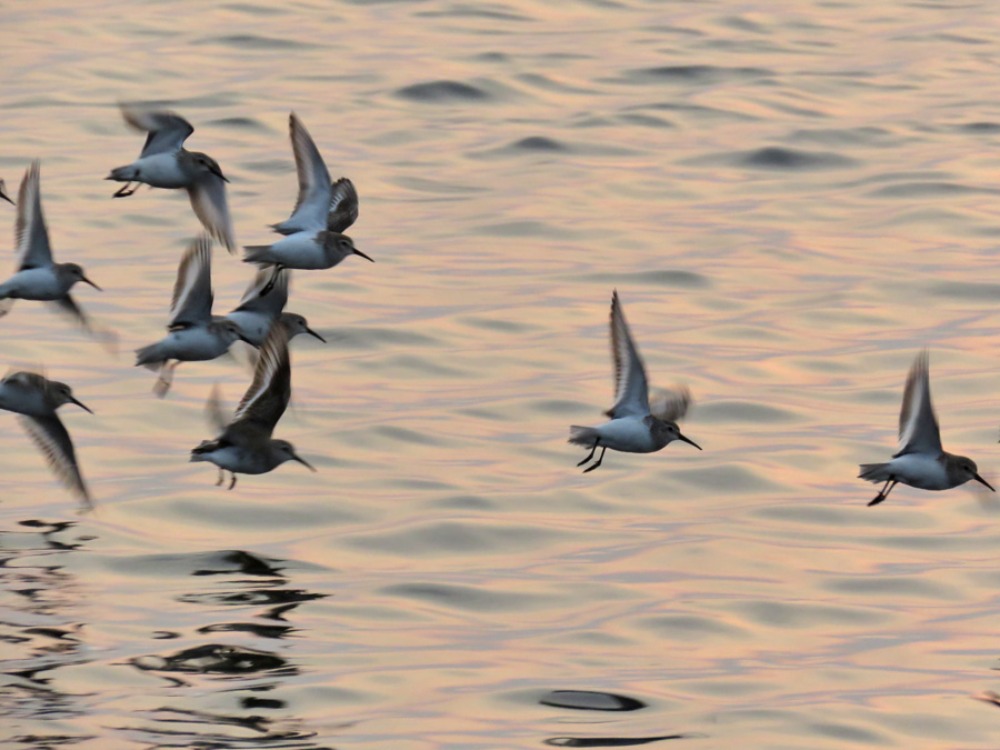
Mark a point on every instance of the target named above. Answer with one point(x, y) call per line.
point(792, 199)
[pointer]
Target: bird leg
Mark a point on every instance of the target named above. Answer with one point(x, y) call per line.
point(593, 450)
point(232, 483)
point(884, 492)
point(270, 282)
point(166, 378)
point(604, 449)
point(124, 192)
point(221, 479)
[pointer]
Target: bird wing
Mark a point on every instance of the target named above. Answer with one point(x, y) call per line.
point(267, 293)
point(208, 199)
point(166, 132)
point(315, 197)
point(30, 232)
point(631, 390)
point(670, 405)
point(51, 437)
point(214, 411)
point(68, 306)
point(267, 397)
point(918, 427)
point(192, 300)
point(343, 205)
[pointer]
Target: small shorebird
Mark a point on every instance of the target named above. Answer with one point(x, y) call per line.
point(194, 335)
point(165, 163)
point(38, 277)
point(634, 427)
point(245, 445)
point(262, 304)
point(4, 196)
point(35, 399)
point(310, 250)
point(320, 203)
point(920, 462)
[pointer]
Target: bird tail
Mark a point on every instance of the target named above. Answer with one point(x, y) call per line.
point(151, 357)
point(259, 254)
point(874, 473)
point(585, 436)
point(206, 446)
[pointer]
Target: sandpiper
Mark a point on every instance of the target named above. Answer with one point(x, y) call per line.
point(920, 462)
point(320, 204)
point(165, 163)
point(3, 193)
point(633, 427)
point(262, 304)
point(245, 445)
point(312, 249)
point(194, 335)
point(38, 277)
point(35, 399)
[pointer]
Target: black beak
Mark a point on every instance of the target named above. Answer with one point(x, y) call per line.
point(689, 441)
point(313, 333)
point(358, 252)
point(88, 281)
point(6, 197)
point(218, 173)
point(982, 481)
point(80, 404)
point(302, 461)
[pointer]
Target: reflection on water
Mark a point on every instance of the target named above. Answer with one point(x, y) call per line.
point(794, 197)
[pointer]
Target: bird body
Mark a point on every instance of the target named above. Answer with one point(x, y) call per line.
point(920, 461)
point(308, 250)
point(165, 163)
point(633, 427)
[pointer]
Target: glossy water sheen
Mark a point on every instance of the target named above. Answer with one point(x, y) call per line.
point(792, 199)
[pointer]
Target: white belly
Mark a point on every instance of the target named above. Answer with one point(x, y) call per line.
point(195, 345)
point(921, 471)
point(300, 250)
point(627, 434)
point(161, 170)
point(36, 284)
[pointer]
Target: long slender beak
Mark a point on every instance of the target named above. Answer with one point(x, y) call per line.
point(302, 461)
point(6, 197)
point(982, 481)
point(81, 405)
point(88, 281)
point(313, 333)
point(218, 173)
point(358, 252)
point(689, 441)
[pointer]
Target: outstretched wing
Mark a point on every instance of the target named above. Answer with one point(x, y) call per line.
point(918, 427)
point(670, 405)
point(51, 437)
point(208, 199)
point(166, 131)
point(30, 232)
point(343, 205)
point(267, 397)
point(631, 389)
point(267, 293)
point(315, 194)
point(192, 300)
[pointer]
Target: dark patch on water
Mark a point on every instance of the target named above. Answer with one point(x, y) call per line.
point(778, 157)
point(609, 741)
point(700, 74)
point(443, 92)
point(590, 700)
point(540, 143)
point(928, 190)
point(256, 42)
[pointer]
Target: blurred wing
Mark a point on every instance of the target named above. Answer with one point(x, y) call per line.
point(918, 427)
point(166, 131)
point(314, 200)
point(30, 233)
point(192, 300)
point(631, 390)
point(670, 405)
point(214, 412)
point(343, 205)
point(267, 398)
point(49, 434)
point(267, 293)
point(208, 199)
point(67, 306)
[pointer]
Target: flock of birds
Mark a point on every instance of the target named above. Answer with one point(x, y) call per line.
point(313, 238)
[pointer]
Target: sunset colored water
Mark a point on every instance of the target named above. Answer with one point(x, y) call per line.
point(791, 198)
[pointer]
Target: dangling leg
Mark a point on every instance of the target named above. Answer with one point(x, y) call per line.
point(232, 483)
point(124, 192)
point(604, 449)
point(166, 378)
point(884, 492)
point(592, 451)
point(222, 478)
